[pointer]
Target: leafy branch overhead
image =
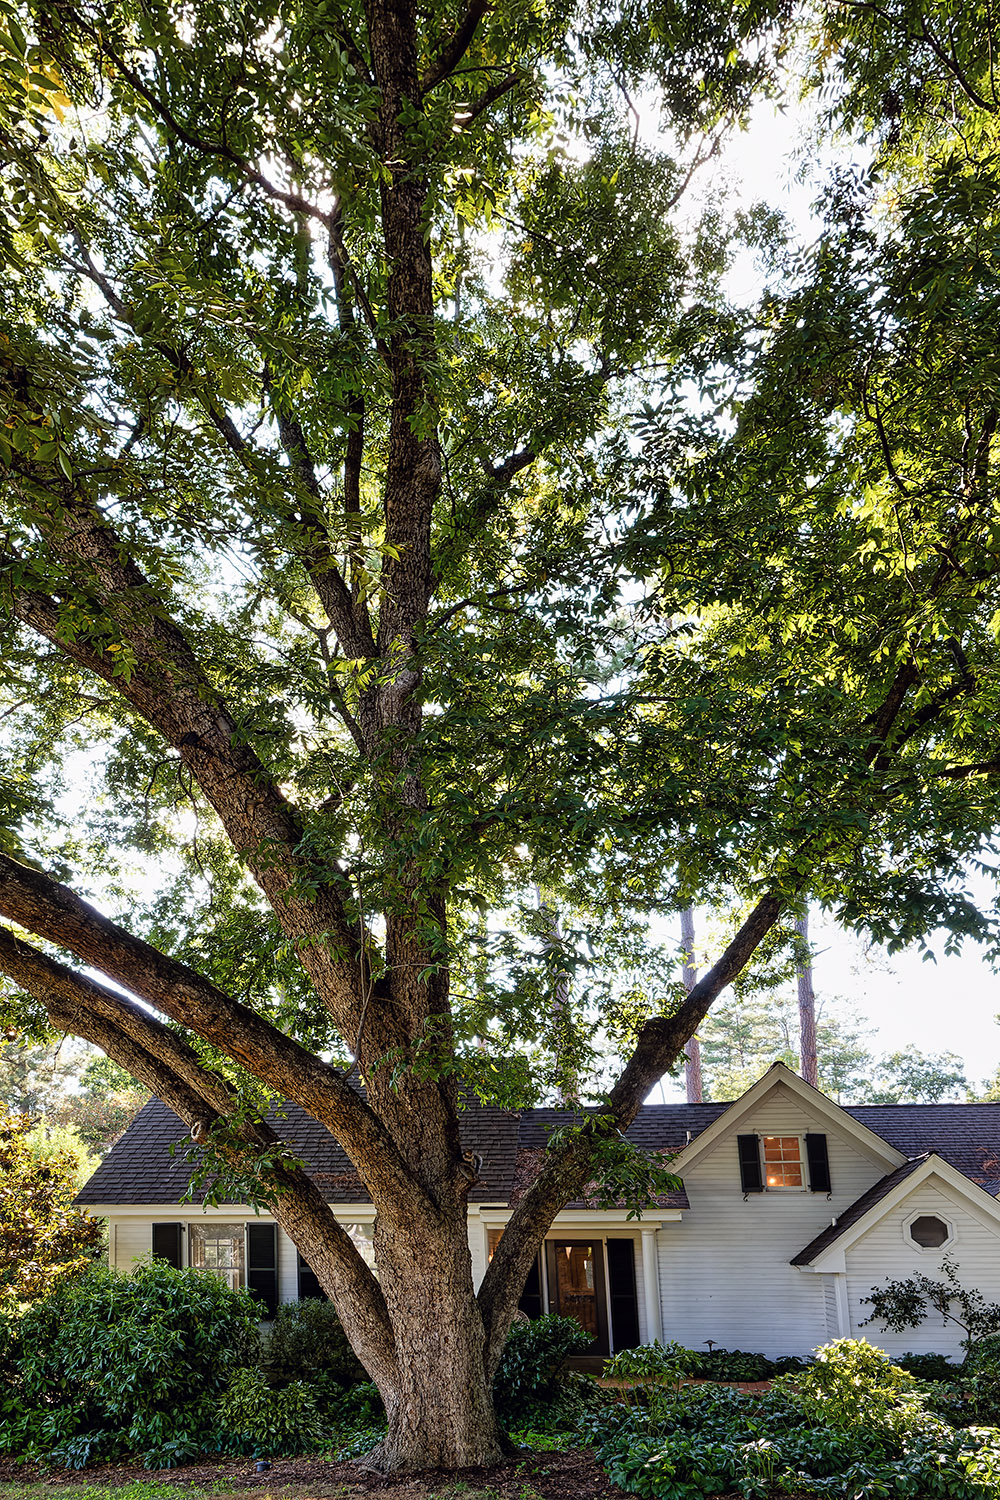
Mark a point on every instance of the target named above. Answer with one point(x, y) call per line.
point(417, 575)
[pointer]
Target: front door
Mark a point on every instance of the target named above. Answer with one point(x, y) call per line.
point(576, 1287)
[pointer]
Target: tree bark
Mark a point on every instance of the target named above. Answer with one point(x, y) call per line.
point(692, 1047)
point(808, 1057)
point(439, 1408)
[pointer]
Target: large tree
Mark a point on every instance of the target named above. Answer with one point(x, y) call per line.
point(322, 324)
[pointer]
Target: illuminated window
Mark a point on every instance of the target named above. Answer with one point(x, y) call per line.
point(493, 1237)
point(782, 1161)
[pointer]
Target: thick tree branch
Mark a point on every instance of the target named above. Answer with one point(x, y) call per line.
point(49, 910)
point(168, 688)
point(149, 1050)
point(173, 1071)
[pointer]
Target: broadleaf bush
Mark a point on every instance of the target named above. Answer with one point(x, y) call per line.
point(110, 1364)
point(525, 1384)
point(307, 1342)
point(260, 1420)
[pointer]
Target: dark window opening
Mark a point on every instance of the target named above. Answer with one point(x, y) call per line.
point(929, 1231)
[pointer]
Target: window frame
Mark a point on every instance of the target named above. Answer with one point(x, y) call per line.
point(928, 1213)
point(200, 1227)
point(802, 1186)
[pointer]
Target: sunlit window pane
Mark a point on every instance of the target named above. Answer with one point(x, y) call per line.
point(782, 1161)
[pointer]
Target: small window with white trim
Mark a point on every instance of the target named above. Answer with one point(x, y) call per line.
point(219, 1248)
point(929, 1231)
point(783, 1162)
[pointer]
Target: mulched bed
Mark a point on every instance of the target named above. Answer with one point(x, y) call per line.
point(571, 1475)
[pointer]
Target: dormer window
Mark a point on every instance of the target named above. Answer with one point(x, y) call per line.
point(783, 1162)
point(779, 1164)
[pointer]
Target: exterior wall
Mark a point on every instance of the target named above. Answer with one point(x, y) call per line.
point(724, 1270)
point(130, 1235)
point(886, 1252)
point(127, 1240)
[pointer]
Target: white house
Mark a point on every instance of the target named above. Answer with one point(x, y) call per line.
point(792, 1209)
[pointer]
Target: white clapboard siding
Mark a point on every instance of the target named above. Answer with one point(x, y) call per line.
point(887, 1253)
point(830, 1307)
point(724, 1269)
point(128, 1239)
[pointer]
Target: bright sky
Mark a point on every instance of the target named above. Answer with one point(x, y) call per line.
point(950, 1005)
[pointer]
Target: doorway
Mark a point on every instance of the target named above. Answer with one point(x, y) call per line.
point(577, 1287)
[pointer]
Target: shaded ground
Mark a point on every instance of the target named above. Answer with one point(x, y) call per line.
point(538, 1476)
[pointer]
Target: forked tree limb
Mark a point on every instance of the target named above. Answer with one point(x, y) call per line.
point(42, 906)
point(171, 1069)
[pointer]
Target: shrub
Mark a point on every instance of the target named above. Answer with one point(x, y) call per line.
point(853, 1424)
point(906, 1303)
point(984, 1355)
point(532, 1358)
point(852, 1384)
point(111, 1364)
point(654, 1372)
point(981, 1380)
point(43, 1238)
point(928, 1366)
point(259, 1420)
point(737, 1364)
point(307, 1342)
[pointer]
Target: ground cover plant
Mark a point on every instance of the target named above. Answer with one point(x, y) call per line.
point(849, 1423)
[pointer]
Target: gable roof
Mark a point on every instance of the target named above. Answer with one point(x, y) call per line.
point(856, 1211)
point(866, 1211)
point(823, 1109)
point(967, 1135)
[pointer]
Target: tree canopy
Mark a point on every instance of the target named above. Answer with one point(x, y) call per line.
point(406, 541)
point(43, 1238)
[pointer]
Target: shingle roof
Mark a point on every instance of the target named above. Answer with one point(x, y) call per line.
point(857, 1210)
point(140, 1169)
point(966, 1135)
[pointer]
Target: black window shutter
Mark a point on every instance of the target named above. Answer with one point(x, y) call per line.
point(819, 1164)
point(751, 1177)
point(262, 1264)
point(167, 1243)
point(531, 1297)
point(621, 1289)
point(309, 1287)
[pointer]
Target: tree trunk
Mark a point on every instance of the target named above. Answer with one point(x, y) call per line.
point(808, 1057)
point(439, 1404)
point(692, 1047)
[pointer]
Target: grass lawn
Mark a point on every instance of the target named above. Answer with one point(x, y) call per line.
point(154, 1489)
